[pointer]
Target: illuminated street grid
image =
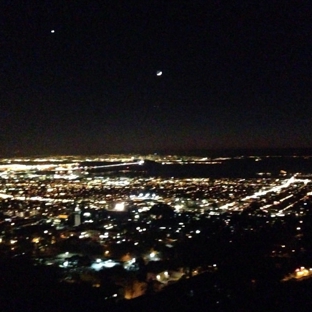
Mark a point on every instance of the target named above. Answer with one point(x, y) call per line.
point(49, 202)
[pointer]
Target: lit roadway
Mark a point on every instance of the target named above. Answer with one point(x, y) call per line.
point(64, 167)
point(133, 163)
point(274, 189)
point(35, 198)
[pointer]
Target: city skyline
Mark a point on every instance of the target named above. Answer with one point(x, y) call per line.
point(84, 77)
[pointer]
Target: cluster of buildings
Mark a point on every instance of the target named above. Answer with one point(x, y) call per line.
point(87, 222)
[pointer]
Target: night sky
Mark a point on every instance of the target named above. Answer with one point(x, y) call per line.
point(234, 76)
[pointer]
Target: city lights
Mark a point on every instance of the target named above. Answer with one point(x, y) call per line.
point(135, 220)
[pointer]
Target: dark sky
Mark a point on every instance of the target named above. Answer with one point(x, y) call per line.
point(234, 76)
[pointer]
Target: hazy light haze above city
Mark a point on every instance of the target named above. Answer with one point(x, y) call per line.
point(81, 76)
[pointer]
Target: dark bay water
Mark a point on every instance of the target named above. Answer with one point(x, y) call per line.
point(232, 168)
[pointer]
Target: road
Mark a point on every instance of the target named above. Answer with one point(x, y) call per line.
point(273, 189)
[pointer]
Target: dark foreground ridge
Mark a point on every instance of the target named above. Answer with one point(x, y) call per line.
point(33, 289)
